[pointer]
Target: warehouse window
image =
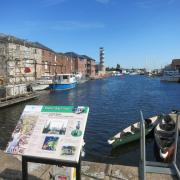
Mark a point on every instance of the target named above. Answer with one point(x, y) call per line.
point(46, 65)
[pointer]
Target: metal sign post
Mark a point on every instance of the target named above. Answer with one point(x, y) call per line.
point(157, 167)
point(26, 159)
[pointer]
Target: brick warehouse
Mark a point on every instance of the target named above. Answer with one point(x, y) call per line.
point(43, 60)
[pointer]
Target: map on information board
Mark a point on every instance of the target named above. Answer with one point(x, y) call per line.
point(54, 132)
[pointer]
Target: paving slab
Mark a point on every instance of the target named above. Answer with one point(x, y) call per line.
point(10, 168)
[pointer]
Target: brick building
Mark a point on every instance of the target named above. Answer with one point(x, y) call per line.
point(176, 64)
point(18, 60)
point(82, 64)
point(48, 64)
point(24, 61)
point(90, 66)
point(66, 64)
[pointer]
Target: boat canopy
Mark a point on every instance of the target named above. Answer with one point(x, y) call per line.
point(64, 78)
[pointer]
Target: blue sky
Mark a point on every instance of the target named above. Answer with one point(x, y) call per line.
point(134, 33)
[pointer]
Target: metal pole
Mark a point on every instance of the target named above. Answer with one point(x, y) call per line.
point(143, 149)
point(78, 169)
point(24, 169)
point(35, 68)
point(176, 137)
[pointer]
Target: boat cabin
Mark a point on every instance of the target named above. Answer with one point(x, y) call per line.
point(64, 79)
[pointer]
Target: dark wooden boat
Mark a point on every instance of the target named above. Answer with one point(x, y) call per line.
point(164, 134)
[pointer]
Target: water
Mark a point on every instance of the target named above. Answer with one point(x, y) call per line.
point(114, 104)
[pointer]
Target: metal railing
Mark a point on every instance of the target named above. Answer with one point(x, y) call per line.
point(157, 167)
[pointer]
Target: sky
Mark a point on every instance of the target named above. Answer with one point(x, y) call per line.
point(134, 33)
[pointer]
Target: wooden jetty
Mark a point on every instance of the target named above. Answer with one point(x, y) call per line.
point(5, 102)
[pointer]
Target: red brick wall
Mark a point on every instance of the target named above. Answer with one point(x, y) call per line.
point(48, 58)
point(62, 64)
point(66, 64)
point(93, 68)
point(82, 66)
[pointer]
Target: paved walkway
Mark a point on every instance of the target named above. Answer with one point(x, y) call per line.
point(10, 169)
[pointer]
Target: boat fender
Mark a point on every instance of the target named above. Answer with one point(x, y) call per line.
point(111, 141)
point(163, 155)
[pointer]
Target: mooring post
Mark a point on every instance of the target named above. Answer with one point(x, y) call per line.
point(176, 144)
point(143, 148)
point(176, 137)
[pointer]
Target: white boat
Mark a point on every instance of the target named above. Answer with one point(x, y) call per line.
point(42, 83)
point(118, 74)
point(171, 76)
point(63, 82)
point(133, 73)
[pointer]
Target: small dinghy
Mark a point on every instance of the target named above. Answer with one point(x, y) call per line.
point(132, 133)
point(164, 134)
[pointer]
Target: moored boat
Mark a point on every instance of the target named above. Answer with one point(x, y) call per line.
point(63, 82)
point(133, 133)
point(171, 76)
point(164, 134)
point(42, 83)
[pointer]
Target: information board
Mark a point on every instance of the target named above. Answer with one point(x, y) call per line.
point(54, 132)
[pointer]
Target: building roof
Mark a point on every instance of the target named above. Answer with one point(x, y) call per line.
point(72, 54)
point(12, 39)
point(75, 55)
point(87, 57)
point(176, 62)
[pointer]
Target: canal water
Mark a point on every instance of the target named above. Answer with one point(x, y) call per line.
point(114, 103)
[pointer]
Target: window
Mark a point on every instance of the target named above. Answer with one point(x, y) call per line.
point(46, 65)
point(65, 77)
point(17, 47)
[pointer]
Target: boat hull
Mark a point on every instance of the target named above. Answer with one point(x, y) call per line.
point(133, 133)
point(131, 138)
point(170, 79)
point(40, 87)
point(164, 134)
point(62, 86)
